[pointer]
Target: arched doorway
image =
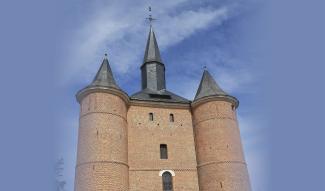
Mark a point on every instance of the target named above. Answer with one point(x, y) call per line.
point(167, 181)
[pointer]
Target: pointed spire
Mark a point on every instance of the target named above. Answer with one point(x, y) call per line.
point(152, 53)
point(208, 87)
point(104, 76)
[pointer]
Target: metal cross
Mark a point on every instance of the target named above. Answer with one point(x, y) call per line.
point(150, 17)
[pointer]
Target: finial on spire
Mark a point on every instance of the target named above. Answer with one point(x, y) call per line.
point(204, 67)
point(105, 55)
point(150, 17)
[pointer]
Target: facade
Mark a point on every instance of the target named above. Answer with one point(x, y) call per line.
point(155, 140)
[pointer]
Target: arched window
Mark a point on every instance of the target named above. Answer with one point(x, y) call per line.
point(171, 117)
point(150, 116)
point(163, 151)
point(167, 181)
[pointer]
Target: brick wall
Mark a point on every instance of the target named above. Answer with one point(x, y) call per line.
point(102, 161)
point(119, 147)
point(145, 137)
point(221, 164)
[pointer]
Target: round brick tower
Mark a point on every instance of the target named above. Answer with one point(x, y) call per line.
point(102, 158)
point(221, 164)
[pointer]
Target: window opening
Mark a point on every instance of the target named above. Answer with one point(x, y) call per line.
point(171, 117)
point(151, 116)
point(163, 151)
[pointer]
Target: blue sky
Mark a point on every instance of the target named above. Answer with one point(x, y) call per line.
point(191, 35)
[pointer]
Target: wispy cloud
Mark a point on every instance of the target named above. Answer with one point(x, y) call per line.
point(188, 22)
point(120, 32)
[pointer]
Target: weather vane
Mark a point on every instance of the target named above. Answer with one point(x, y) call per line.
point(150, 17)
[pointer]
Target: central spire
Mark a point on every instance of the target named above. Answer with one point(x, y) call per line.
point(152, 69)
point(152, 53)
point(153, 74)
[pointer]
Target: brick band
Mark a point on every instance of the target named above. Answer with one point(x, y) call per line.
point(214, 118)
point(220, 162)
point(107, 162)
point(159, 169)
point(103, 112)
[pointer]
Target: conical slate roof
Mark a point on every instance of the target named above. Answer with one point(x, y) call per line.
point(104, 76)
point(208, 87)
point(152, 53)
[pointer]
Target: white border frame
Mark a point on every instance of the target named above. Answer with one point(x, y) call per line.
point(170, 171)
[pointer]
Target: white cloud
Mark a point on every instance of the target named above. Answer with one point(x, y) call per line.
point(234, 81)
point(181, 26)
point(123, 34)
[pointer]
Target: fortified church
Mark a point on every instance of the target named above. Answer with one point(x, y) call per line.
point(155, 140)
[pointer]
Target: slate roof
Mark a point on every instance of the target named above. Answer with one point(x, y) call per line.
point(208, 87)
point(153, 76)
point(152, 53)
point(104, 76)
point(158, 96)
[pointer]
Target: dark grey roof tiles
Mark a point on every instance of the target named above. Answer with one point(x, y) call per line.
point(158, 96)
point(152, 69)
point(104, 76)
point(208, 87)
point(152, 53)
point(153, 76)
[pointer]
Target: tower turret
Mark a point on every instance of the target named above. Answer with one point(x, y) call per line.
point(102, 158)
point(220, 158)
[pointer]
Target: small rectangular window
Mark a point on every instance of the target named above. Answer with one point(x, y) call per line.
point(151, 116)
point(163, 151)
point(171, 117)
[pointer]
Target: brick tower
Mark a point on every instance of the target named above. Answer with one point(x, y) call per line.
point(155, 140)
point(220, 158)
point(102, 159)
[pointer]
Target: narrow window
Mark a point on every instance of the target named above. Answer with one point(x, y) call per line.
point(171, 117)
point(167, 181)
point(163, 151)
point(151, 116)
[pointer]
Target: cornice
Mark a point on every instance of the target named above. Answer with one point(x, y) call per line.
point(159, 104)
point(206, 99)
point(95, 89)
